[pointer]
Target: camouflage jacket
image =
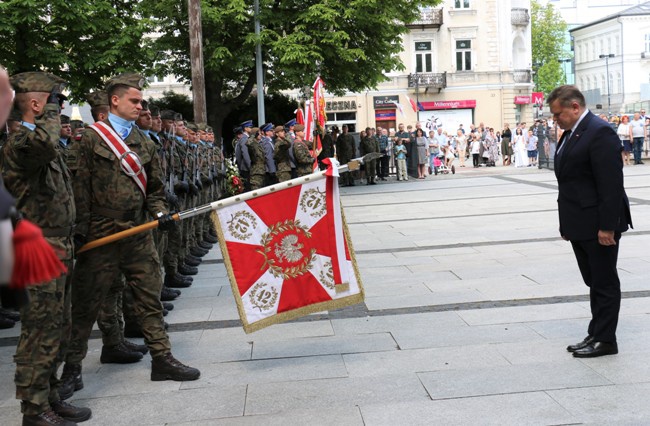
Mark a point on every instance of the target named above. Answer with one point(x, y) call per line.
point(257, 155)
point(108, 200)
point(304, 160)
point(345, 149)
point(281, 154)
point(369, 144)
point(36, 175)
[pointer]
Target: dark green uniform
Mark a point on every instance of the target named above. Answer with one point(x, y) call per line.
point(281, 157)
point(258, 163)
point(304, 160)
point(369, 144)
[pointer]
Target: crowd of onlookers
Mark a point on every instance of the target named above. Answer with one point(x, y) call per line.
point(426, 151)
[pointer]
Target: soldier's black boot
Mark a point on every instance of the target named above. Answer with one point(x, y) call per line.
point(167, 294)
point(182, 277)
point(205, 245)
point(70, 412)
point(187, 270)
point(198, 251)
point(6, 322)
point(168, 306)
point(71, 380)
point(166, 367)
point(172, 282)
point(134, 347)
point(119, 354)
point(209, 238)
point(192, 260)
point(46, 418)
point(213, 233)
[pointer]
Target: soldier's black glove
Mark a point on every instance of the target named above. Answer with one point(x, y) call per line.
point(194, 191)
point(166, 222)
point(198, 184)
point(172, 199)
point(79, 241)
point(182, 187)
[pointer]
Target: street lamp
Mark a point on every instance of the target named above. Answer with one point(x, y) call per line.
point(609, 93)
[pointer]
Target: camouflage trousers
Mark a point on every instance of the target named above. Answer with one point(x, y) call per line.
point(257, 181)
point(283, 176)
point(110, 320)
point(371, 170)
point(95, 273)
point(176, 244)
point(44, 338)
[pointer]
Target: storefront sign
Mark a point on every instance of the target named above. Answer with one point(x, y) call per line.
point(341, 105)
point(422, 46)
point(385, 101)
point(538, 98)
point(522, 100)
point(385, 115)
point(471, 103)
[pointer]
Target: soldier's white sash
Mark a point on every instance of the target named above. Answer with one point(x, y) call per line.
point(130, 162)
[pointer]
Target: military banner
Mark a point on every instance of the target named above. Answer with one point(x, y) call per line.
point(288, 253)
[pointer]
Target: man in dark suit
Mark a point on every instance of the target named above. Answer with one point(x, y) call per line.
point(594, 211)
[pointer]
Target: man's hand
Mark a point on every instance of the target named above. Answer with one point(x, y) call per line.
point(166, 222)
point(606, 238)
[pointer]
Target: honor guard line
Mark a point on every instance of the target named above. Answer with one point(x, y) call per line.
point(185, 214)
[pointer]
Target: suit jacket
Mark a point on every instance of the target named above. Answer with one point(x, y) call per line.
point(589, 171)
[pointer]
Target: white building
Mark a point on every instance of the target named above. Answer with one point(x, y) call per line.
point(612, 60)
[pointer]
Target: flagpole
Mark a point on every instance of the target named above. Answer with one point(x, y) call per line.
point(220, 204)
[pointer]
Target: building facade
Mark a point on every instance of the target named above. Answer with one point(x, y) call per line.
point(612, 60)
point(466, 61)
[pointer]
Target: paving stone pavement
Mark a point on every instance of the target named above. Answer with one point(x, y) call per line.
point(471, 299)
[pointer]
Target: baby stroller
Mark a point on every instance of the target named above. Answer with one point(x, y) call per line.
point(439, 166)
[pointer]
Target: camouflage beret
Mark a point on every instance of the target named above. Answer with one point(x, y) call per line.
point(155, 111)
point(15, 115)
point(299, 128)
point(127, 79)
point(97, 98)
point(167, 114)
point(201, 126)
point(191, 126)
point(145, 105)
point(65, 119)
point(254, 130)
point(209, 129)
point(36, 81)
point(279, 129)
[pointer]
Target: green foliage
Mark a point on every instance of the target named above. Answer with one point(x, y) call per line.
point(84, 42)
point(549, 32)
point(177, 102)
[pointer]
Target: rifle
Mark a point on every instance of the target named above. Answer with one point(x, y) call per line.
point(219, 204)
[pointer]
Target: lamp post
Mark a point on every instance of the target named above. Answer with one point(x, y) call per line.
point(609, 93)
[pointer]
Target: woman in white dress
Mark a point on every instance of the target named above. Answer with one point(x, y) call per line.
point(519, 148)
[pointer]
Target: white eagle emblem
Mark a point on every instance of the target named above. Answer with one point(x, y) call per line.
point(289, 249)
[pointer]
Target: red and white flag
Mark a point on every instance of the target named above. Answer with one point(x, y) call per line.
point(309, 122)
point(288, 253)
point(413, 104)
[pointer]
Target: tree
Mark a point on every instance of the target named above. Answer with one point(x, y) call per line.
point(350, 44)
point(548, 32)
point(176, 102)
point(84, 42)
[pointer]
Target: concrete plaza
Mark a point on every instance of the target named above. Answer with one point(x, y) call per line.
point(471, 299)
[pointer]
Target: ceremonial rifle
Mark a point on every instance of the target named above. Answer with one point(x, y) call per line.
point(219, 204)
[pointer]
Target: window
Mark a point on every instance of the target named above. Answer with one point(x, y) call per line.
point(461, 4)
point(610, 80)
point(618, 45)
point(619, 83)
point(423, 57)
point(647, 43)
point(463, 55)
point(603, 85)
point(593, 50)
point(609, 45)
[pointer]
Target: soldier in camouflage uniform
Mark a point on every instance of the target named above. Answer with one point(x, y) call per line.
point(258, 159)
point(304, 160)
point(281, 148)
point(108, 200)
point(345, 151)
point(35, 174)
point(369, 144)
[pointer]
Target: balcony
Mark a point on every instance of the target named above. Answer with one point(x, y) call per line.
point(520, 17)
point(429, 18)
point(428, 80)
point(522, 76)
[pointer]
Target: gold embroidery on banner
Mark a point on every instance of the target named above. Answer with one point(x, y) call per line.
point(241, 225)
point(281, 245)
point(327, 275)
point(313, 202)
point(263, 296)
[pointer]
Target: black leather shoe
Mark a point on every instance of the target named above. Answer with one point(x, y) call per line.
point(182, 277)
point(165, 312)
point(596, 349)
point(192, 260)
point(168, 306)
point(8, 313)
point(71, 380)
point(213, 233)
point(172, 282)
point(187, 270)
point(119, 354)
point(209, 238)
point(204, 245)
point(134, 347)
point(587, 340)
point(70, 412)
point(167, 294)
point(6, 322)
point(46, 418)
point(166, 367)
